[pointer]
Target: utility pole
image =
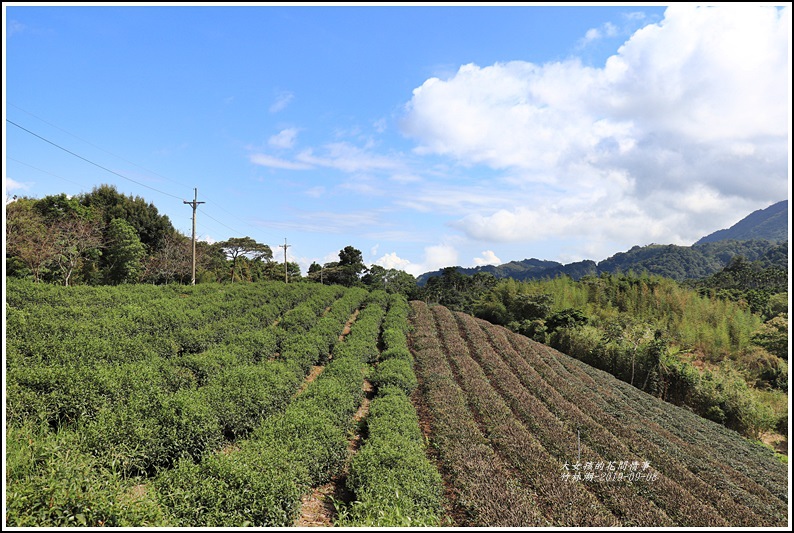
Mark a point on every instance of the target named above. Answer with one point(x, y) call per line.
point(194, 204)
point(285, 246)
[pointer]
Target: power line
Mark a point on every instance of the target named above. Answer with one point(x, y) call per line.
point(114, 172)
point(97, 147)
point(194, 204)
point(123, 159)
point(89, 161)
point(44, 171)
point(221, 223)
point(233, 216)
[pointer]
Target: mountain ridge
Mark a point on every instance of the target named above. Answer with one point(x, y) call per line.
point(765, 234)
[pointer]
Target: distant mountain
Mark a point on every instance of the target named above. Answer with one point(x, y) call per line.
point(760, 236)
point(770, 224)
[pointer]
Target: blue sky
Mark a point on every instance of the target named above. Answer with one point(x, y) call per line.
point(425, 136)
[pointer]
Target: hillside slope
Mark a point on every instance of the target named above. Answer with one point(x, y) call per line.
point(770, 224)
point(527, 436)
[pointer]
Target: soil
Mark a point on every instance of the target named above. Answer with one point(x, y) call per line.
point(777, 441)
point(317, 508)
point(346, 331)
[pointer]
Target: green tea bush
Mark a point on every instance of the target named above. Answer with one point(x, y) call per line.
point(242, 396)
point(249, 487)
point(395, 372)
point(50, 482)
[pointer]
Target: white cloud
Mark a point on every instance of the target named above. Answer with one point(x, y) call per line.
point(284, 139)
point(434, 258)
point(275, 162)
point(12, 185)
point(591, 35)
point(14, 27)
point(690, 118)
point(316, 192)
point(488, 258)
point(282, 101)
point(392, 260)
point(439, 256)
point(348, 158)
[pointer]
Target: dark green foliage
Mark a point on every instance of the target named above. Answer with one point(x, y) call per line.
point(242, 395)
point(395, 373)
point(566, 319)
point(392, 281)
point(149, 225)
point(124, 253)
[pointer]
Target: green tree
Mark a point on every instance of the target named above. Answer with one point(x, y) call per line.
point(773, 336)
point(152, 227)
point(566, 318)
point(29, 239)
point(351, 264)
point(390, 280)
point(237, 247)
point(124, 253)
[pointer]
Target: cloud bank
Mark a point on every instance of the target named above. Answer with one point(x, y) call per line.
point(687, 121)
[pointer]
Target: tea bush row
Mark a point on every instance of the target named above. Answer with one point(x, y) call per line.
point(483, 490)
point(261, 482)
point(393, 481)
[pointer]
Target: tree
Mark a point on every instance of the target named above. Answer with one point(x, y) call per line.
point(172, 262)
point(773, 336)
point(245, 246)
point(351, 264)
point(391, 280)
point(566, 318)
point(124, 253)
point(152, 228)
point(531, 306)
point(211, 262)
point(28, 238)
point(75, 237)
point(315, 272)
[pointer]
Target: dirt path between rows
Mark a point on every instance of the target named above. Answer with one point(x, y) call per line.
point(316, 370)
point(317, 508)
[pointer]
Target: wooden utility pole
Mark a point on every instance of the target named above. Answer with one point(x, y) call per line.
point(194, 204)
point(285, 246)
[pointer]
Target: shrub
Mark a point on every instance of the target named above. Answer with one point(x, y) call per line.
point(395, 372)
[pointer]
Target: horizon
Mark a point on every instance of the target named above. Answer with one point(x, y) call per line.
point(424, 136)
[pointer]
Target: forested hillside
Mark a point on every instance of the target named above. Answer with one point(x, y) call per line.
point(668, 260)
point(761, 236)
point(770, 224)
